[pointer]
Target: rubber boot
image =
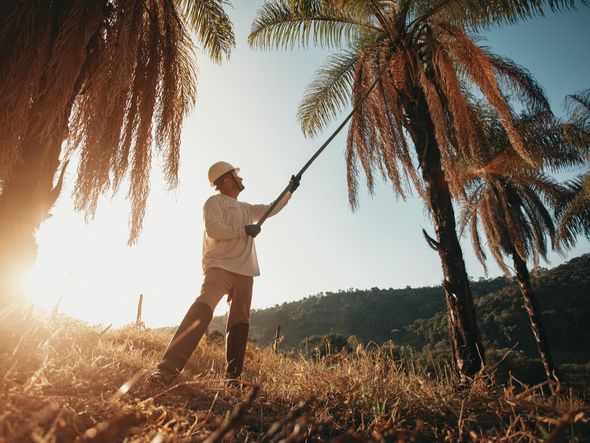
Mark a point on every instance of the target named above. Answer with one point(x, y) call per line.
point(235, 350)
point(185, 340)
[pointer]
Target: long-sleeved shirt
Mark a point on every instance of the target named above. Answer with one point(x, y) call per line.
point(225, 242)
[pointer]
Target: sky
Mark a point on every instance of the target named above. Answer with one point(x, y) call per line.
point(246, 114)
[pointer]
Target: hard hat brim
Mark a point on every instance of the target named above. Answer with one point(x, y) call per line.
point(229, 170)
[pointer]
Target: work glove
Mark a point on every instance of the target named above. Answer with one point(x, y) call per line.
point(294, 183)
point(252, 230)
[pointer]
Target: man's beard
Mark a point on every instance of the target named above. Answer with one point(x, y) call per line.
point(240, 186)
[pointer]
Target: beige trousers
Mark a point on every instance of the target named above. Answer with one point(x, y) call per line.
point(219, 282)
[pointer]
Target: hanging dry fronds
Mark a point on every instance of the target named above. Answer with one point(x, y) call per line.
point(43, 47)
point(376, 137)
point(113, 78)
point(145, 58)
point(478, 67)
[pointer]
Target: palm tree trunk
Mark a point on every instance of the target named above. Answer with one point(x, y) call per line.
point(467, 349)
point(25, 202)
point(534, 312)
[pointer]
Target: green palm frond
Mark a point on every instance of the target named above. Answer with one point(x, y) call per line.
point(211, 24)
point(328, 92)
point(517, 81)
point(578, 107)
point(285, 24)
point(555, 145)
point(574, 211)
point(482, 14)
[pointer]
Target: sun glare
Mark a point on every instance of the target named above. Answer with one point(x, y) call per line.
point(88, 272)
point(44, 284)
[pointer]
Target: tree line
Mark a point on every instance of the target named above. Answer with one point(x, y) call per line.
point(415, 317)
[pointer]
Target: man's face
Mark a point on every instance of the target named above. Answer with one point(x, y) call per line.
point(237, 180)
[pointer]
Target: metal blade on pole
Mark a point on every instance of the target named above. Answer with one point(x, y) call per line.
point(324, 145)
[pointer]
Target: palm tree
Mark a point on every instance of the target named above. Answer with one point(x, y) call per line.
point(511, 201)
point(424, 65)
point(113, 79)
point(574, 211)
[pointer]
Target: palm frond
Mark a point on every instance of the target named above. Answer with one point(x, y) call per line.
point(377, 138)
point(456, 97)
point(482, 14)
point(147, 62)
point(328, 92)
point(578, 107)
point(517, 81)
point(285, 24)
point(511, 199)
point(574, 211)
point(476, 242)
point(470, 203)
point(46, 46)
point(211, 24)
point(481, 71)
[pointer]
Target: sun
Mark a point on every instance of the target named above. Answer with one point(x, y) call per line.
point(44, 284)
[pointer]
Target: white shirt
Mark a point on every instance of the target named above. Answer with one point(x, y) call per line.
point(225, 242)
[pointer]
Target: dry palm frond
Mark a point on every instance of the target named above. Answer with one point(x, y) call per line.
point(113, 79)
point(476, 241)
point(458, 107)
point(147, 62)
point(513, 211)
point(376, 136)
point(481, 71)
point(46, 46)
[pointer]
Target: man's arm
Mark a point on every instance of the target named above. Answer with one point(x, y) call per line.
point(259, 210)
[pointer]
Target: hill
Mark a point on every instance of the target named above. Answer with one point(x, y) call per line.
point(415, 316)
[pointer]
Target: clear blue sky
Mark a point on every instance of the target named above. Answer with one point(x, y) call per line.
point(245, 114)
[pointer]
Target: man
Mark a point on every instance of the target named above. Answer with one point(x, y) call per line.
point(229, 267)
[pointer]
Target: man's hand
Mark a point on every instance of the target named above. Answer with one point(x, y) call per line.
point(252, 230)
point(294, 184)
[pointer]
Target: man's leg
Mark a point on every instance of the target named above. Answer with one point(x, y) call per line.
point(195, 323)
point(238, 324)
point(186, 338)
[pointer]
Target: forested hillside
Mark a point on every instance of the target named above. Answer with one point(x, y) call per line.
point(416, 316)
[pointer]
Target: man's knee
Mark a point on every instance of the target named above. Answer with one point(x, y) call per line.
point(204, 303)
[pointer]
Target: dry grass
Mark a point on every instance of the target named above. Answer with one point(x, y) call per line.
point(65, 381)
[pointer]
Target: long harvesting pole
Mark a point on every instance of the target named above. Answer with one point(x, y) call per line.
point(324, 145)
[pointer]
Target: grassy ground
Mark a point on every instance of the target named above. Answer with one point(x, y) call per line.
point(63, 381)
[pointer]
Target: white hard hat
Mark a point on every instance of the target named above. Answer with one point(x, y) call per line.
point(218, 169)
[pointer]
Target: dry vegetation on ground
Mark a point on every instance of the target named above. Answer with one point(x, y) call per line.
point(65, 381)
